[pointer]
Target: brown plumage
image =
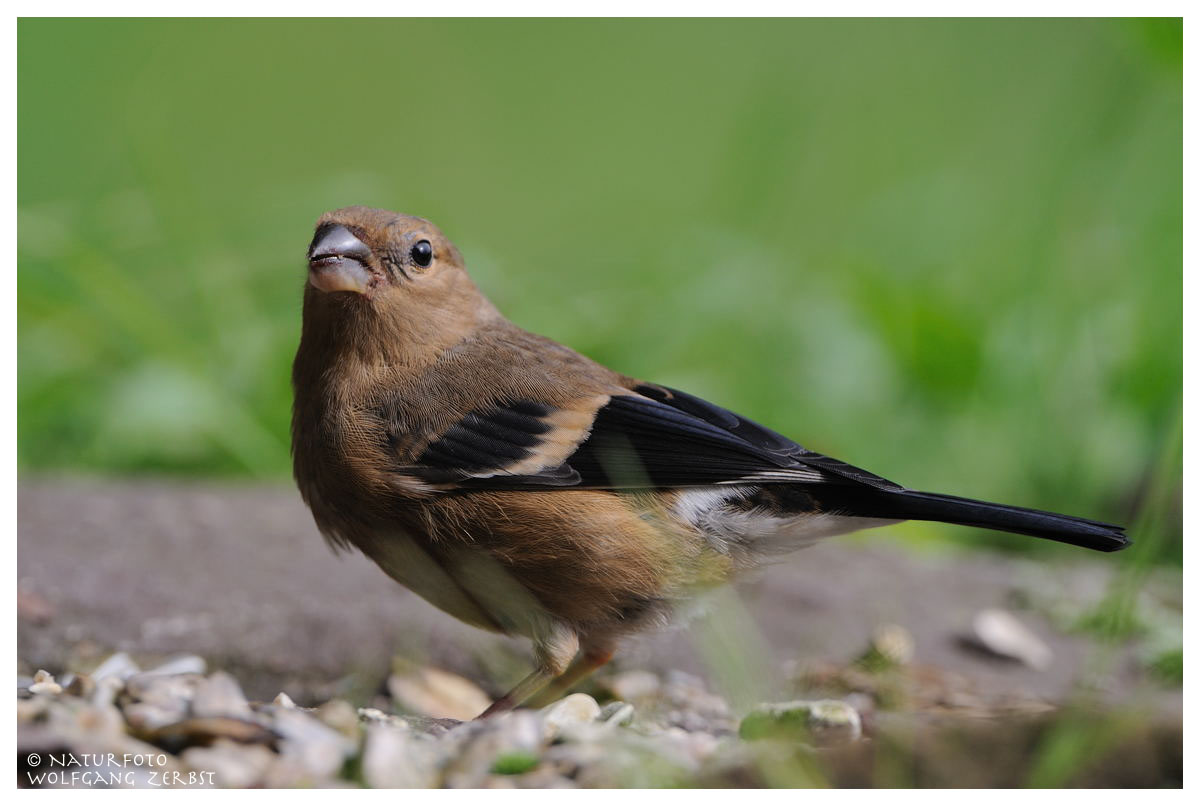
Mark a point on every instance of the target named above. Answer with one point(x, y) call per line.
point(524, 488)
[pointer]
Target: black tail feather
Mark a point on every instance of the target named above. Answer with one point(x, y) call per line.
point(913, 505)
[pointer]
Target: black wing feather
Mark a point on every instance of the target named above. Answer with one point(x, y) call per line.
point(641, 442)
point(487, 440)
point(770, 444)
point(656, 438)
point(747, 430)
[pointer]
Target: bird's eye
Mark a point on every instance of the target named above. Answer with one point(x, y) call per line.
point(422, 253)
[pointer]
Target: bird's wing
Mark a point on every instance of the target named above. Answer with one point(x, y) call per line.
point(644, 438)
point(652, 437)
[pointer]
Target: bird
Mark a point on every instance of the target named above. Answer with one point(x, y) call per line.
point(529, 490)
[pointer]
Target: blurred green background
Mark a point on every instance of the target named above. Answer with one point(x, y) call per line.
point(949, 251)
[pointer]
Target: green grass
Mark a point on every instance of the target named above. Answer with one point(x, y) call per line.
point(949, 251)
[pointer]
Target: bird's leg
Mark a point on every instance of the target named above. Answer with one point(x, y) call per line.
point(581, 668)
point(553, 650)
point(519, 693)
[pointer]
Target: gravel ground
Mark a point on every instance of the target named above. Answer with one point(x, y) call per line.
point(234, 577)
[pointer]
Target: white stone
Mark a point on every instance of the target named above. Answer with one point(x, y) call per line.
point(573, 709)
point(1001, 633)
point(437, 693)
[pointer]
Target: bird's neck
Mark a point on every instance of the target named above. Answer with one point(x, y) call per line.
point(347, 342)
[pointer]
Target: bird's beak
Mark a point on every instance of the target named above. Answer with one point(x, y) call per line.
point(337, 261)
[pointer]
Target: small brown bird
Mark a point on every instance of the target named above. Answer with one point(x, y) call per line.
point(524, 488)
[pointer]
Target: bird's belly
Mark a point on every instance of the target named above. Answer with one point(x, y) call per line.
point(405, 561)
point(466, 583)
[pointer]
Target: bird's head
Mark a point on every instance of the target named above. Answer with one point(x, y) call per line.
point(359, 250)
point(383, 280)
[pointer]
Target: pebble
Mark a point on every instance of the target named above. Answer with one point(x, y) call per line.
point(482, 744)
point(437, 693)
point(220, 695)
point(341, 716)
point(1002, 634)
point(205, 730)
point(233, 765)
point(315, 746)
point(430, 725)
point(371, 716)
point(394, 758)
point(204, 723)
point(181, 664)
point(821, 722)
point(617, 714)
point(106, 691)
point(628, 759)
point(43, 683)
point(118, 665)
point(145, 717)
point(893, 644)
point(173, 691)
point(571, 710)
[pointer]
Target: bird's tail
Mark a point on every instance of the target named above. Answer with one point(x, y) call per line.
point(913, 505)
